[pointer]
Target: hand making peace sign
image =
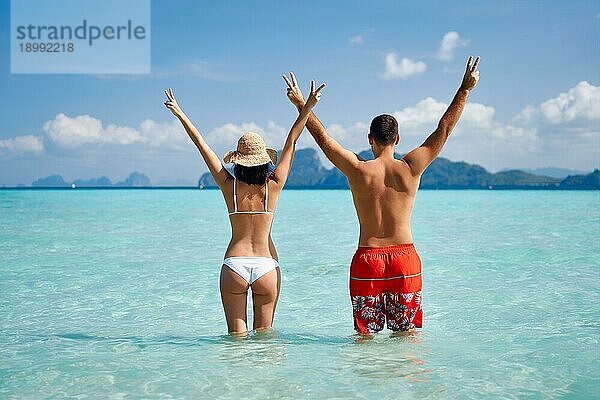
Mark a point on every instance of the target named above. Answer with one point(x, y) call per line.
point(171, 103)
point(293, 91)
point(315, 95)
point(471, 74)
point(295, 94)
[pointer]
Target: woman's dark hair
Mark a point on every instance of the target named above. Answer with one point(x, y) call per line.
point(252, 175)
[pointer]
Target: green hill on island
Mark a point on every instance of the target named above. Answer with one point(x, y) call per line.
point(308, 172)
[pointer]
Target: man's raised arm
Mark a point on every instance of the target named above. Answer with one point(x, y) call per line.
point(342, 158)
point(420, 158)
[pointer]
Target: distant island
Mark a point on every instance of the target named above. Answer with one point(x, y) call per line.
point(135, 179)
point(309, 173)
point(553, 171)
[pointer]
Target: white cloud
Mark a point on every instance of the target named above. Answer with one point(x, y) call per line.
point(449, 43)
point(477, 122)
point(523, 140)
point(403, 69)
point(230, 133)
point(337, 131)
point(358, 39)
point(569, 119)
point(354, 135)
point(477, 115)
point(73, 132)
point(425, 113)
point(476, 132)
point(525, 115)
point(567, 123)
point(225, 137)
point(21, 144)
point(580, 102)
point(164, 134)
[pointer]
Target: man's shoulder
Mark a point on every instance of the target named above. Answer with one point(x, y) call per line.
point(374, 171)
point(395, 166)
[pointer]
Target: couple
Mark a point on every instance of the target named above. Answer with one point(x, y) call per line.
point(385, 273)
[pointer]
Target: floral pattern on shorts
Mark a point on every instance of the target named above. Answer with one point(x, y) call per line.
point(370, 310)
point(399, 309)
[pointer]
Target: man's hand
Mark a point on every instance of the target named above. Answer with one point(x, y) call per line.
point(471, 75)
point(171, 103)
point(314, 97)
point(293, 91)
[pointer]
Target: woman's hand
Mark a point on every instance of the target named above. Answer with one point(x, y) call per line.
point(314, 97)
point(171, 104)
point(293, 91)
point(471, 75)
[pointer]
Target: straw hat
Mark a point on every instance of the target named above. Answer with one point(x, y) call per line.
point(251, 151)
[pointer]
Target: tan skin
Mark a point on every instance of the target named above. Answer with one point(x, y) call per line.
point(384, 189)
point(250, 233)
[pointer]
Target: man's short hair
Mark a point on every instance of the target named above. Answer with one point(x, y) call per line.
point(384, 129)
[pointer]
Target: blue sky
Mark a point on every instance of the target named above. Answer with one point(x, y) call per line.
point(536, 103)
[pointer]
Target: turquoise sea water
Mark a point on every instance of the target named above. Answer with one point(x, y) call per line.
point(114, 293)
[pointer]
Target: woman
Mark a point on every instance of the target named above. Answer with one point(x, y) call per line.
point(251, 196)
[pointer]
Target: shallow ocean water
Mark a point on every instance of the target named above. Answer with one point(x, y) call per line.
point(114, 293)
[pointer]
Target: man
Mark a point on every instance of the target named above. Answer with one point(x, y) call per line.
point(385, 274)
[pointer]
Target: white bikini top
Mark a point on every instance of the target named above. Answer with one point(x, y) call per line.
point(235, 207)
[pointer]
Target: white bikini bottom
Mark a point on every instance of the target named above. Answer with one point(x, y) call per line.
point(251, 268)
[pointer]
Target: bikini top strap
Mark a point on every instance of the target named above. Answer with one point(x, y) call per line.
point(266, 195)
point(234, 196)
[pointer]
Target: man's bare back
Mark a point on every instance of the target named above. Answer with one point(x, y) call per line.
point(384, 192)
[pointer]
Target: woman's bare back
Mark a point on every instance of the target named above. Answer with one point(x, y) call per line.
point(251, 223)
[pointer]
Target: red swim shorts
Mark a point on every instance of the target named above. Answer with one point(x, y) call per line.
point(386, 284)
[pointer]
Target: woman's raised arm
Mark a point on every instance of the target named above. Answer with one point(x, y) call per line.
point(219, 173)
point(282, 171)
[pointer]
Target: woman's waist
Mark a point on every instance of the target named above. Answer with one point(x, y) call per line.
point(249, 248)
